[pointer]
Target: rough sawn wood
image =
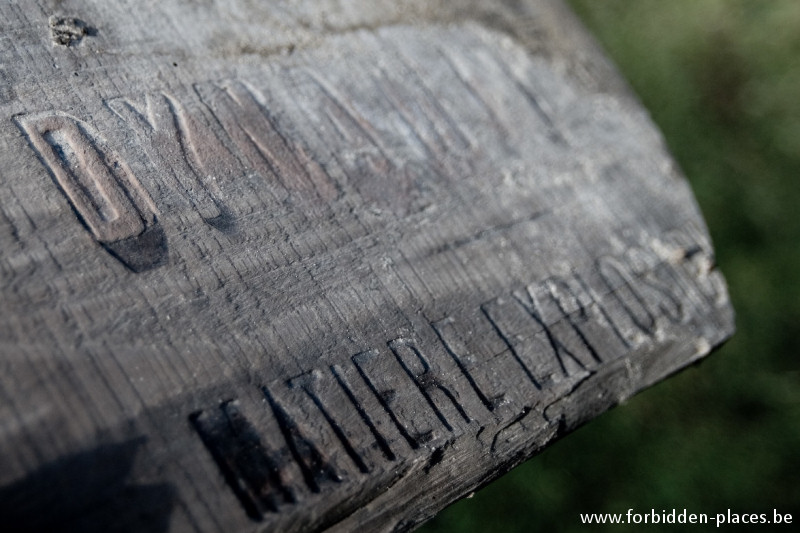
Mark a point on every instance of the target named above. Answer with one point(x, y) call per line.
point(320, 265)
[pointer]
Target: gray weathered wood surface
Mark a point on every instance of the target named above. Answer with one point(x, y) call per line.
point(313, 265)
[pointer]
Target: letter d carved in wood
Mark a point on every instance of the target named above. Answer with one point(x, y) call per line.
point(100, 187)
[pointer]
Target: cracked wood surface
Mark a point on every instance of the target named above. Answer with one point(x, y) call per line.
point(321, 265)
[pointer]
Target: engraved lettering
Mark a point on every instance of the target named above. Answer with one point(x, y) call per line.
point(314, 465)
point(308, 382)
point(455, 347)
point(423, 117)
point(174, 140)
point(380, 440)
point(571, 356)
point(360, 153)
point(257, 136)
point(251, 470)
point(542, 109)
point(485, 310)
point(409, 427)
point(428, 107)
point(467, 81)
point(621, 283)
point(425, 379)
point(527, 338)
point(101, 188)
point(550, 329)
point(655, 292)
point(695, 260)
point(594, 321)
point(573, 310)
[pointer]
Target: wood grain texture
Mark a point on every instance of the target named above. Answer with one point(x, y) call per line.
point(321, 265)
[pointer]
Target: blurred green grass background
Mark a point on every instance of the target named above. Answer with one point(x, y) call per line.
point(721, 78)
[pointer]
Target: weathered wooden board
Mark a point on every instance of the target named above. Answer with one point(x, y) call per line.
point(310, 265)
